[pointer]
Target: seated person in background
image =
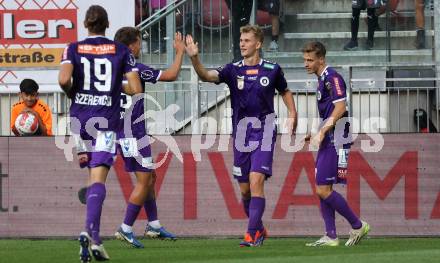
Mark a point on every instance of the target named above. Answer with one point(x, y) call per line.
point(419, 7)
point(357, 6)
point(29, 102)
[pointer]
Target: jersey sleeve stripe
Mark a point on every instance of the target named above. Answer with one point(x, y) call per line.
point(158, 75)
point(338, 100)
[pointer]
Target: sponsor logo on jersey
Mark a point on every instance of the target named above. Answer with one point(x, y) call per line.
point(252, 72)
point(318, 95)
point(264, 81)
point(269, 66)
point(337, 86)
point(103, 49)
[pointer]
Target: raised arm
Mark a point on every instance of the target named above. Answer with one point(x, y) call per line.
point(192, 50)
point(172, 72)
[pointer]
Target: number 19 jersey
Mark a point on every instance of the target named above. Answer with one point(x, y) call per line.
point(98, 68)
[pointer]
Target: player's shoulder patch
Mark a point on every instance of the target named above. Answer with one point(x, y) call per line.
point(269, 64)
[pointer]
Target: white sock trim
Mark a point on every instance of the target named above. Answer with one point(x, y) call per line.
point(155, 224)
point(126, 228)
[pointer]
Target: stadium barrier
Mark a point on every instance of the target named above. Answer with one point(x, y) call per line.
point(377, 102)
point(397, 189)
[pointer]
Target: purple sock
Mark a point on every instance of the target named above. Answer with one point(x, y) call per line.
point(131, 214)
point(246, 203)
point(338, 203)
point(328, 214)
point(256, 210)
point(151, 209)
point(95, 199)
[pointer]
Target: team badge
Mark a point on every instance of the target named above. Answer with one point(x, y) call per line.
point(264, 81)
point(328, 85)
point(147, 75)
point(131, 60)
point(240, 82)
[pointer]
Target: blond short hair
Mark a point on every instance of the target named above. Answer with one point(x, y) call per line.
point(258, 33)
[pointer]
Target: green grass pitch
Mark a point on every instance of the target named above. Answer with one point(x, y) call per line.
point(227, 250)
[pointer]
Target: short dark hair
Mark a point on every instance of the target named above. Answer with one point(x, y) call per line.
point(96, 20)
point(316, 47)
point(29, 86)
point(127, 35)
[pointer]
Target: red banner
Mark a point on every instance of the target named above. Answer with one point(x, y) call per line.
point(38, 26)
point(396, 190)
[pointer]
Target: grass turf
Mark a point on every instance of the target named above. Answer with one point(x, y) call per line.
point(226, 250)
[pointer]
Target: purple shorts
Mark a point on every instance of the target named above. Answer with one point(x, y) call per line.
point(101, 150)
point(326, 172)
point(136, 153)
point(259, 160)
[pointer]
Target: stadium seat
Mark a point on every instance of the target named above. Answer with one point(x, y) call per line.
point(215, 15)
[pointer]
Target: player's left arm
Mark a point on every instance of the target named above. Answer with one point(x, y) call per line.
point(173, 71)
point(133, 85)
point(286, 94)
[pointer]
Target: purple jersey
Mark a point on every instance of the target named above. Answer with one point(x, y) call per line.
point(146, 74)
point(252, 89)
point(98, 68)
point(331, 89)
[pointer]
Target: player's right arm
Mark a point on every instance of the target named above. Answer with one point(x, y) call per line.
point(192, 50)
point(66, 71)
point(172, 72)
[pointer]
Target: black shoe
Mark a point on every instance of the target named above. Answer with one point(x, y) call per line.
point(420, 40)
point(369, 44)
point(352, 45)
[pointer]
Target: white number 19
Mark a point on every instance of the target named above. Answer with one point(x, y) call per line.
point(102, 75)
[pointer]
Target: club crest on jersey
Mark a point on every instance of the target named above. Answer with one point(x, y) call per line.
point(131, 60)
point(328, 85)
point(147, 74)
point(240, 82)
point(264, 81)
point(318, 95)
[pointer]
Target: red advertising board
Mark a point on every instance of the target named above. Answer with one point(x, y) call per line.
point(38, 26)
point(397, 190)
